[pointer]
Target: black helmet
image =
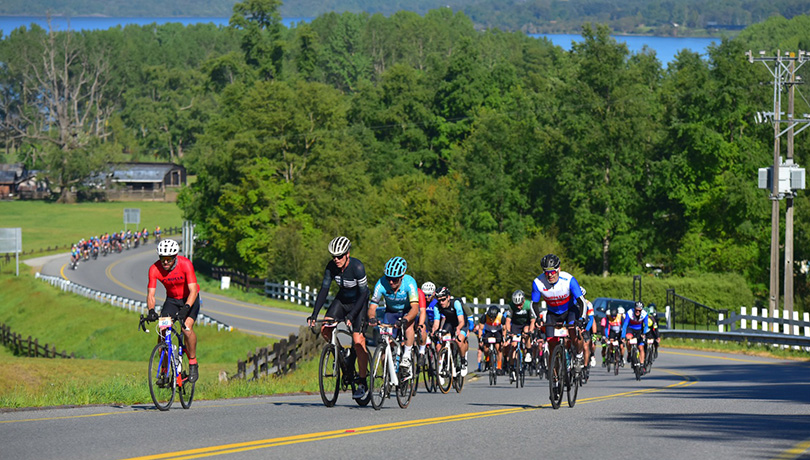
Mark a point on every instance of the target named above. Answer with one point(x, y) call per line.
point(442, 292)
point(613, 312)
point(550, 262)
point(492, 311)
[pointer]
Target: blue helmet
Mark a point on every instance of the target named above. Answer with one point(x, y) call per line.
point(395, 267)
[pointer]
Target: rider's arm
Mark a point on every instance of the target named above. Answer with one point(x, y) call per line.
point(319, 301)
point(376, 295)
point(150, 298)
point(625, 322)
point(151, 287)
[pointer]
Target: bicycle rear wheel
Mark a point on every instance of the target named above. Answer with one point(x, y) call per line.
point(364, 401)
point(161, 377)
point(572, 385)
point(617, 360)
point(636, 363)
point(521, 368)
point(185, 388)
point(379, 377)
point(493, 374)
point(458, 380)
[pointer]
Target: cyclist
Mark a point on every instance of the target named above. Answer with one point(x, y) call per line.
point(563, 298)
point(430, 318)
point(157, 234)
point(349, 304)
point(520, 319)
point(588, 332)
point(652, 322)
point(491, 325)
point(635, 325)
point(105, 242)
point(75, 255)
point(401, 303)
point(176, 273)
point(612, 327)
point(145, 234)
point(455, 322)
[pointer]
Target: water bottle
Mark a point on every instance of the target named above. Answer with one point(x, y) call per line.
point(397, 359)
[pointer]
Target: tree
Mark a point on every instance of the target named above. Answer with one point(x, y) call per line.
point(63, 109)
point(260, 22)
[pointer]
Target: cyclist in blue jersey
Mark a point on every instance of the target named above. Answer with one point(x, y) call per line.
point(588, 332)
point(349, 304)
point(564, 299)
point(635, 325)
point(430, 319)
point(401, 302)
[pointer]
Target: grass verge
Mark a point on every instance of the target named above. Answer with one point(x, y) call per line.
point(751, 349)
point(116, 353)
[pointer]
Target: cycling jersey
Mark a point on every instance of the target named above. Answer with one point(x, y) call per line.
point(560, 296)
point(635, 322)
point(399, 300)
point(176, 280)
point(520, 315)
point(452, 312)
point(589, 314)
point(492, 324)
point(432, 311)
point(352, 285)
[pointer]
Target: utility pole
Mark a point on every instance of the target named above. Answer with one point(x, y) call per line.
point(782, 179)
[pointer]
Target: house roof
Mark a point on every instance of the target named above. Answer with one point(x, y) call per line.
point(148, 172)
point(8, 177)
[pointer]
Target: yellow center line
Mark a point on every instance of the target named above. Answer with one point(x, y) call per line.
point(795, 451)
point(324, 435)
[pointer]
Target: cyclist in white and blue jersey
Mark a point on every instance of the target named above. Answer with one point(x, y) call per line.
point(635, 325)
point(401, 302)
point(564, 300)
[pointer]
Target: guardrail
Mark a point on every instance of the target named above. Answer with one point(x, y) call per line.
point(121, 302)
point(740, 336)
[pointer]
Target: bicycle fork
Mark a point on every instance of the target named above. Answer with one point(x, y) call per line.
point(392, 370)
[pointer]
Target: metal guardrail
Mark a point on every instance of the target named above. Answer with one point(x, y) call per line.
point(121, 302)
point(750, 335)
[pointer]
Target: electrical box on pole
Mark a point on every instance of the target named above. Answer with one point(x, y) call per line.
point(791, 178)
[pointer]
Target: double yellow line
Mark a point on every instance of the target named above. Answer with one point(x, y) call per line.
point(324, 435)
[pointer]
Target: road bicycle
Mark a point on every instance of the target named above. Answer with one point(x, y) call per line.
point(652, 353)
point(519, 364)
point(563, 375)
point(450, 365)
point(635, 357)
point(613, 356)
point(429, 367)
point(492, 359)
point(168, 366)
point(539, 353)
point(387, 373)
point(336, 370)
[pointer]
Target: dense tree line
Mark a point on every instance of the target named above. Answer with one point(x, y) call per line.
point(469, 153)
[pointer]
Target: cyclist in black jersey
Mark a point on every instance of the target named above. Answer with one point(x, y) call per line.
point(350, 303)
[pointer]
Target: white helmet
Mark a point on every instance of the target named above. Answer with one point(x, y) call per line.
point(168, 248)
point(518, 297)
point(621, 310)
point(428, 288)
point(339, 246)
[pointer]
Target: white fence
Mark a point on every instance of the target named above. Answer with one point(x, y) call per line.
point(759, 320)
point(121, 302)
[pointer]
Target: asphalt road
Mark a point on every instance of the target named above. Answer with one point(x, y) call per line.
point(692, 405)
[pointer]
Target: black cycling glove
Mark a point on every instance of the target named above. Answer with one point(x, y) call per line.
point(152, 315)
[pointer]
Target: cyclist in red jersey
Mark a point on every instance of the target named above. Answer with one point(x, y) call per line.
point(176, 273)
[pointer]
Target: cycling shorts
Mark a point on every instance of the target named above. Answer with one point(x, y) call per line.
point(637, 334)
point(515, 329)
point(171, 306)
point(450, 328)
point(348, 312)
point(568, 317)
point(614, 335)
point(497, 334)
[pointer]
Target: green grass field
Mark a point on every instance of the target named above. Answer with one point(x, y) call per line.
point(50, 224)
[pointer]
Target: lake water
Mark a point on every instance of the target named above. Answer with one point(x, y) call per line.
point(665, 47)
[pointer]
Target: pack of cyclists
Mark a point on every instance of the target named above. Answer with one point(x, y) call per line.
point(107, 243)
point(430, 311)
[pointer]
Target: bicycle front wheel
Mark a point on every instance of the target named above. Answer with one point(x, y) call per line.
point(445, 373)
point(430, 369)
point(185, 388)
point(493, 372)
point(458, 380)
point(161, 377)
point(329, 375)
point(405, 388)
point(572, 386)
point(379, 378)
point(556, 377)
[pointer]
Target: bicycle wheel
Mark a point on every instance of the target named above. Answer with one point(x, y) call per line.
point(556, 377)
point(161, 377)
point(521, 368)
point(636, 363)
point(364, 401)
point(430, 369)
point(572, 385)
point(445, 374)
point(617, 360)
point(405, 388)
point(458, 380)
point(185, 388)
point(493, 372)
point(329, 375)
point(379, 378)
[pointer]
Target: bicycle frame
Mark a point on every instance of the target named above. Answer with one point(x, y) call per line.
point(166, 331)
point(387, 336)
